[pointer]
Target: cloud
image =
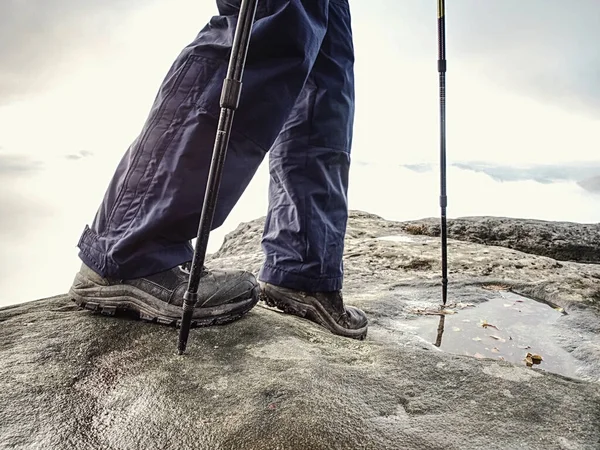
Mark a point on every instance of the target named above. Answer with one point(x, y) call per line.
point(17, 165)
point(542, 173)
point(591, 184)
point(79, 155)
point(584, 173)
point(40, 38)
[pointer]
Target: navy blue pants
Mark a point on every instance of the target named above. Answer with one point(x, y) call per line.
point(297, 105)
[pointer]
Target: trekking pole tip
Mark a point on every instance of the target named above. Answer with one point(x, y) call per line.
point(190, 299)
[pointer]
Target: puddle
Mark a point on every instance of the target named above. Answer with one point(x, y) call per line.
point(516, 326)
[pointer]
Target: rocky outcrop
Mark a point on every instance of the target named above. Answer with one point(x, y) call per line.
point(477, 257)
point(75, 380)
point(564, 241)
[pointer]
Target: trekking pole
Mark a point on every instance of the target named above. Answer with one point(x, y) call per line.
point(230, 97)
point(443, 197)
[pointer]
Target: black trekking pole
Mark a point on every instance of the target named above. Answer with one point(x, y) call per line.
point(443, 197)
point(230, 97)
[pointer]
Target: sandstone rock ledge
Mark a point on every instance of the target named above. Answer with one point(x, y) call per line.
point(75, 380)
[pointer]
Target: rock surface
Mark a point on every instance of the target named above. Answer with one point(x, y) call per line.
point(75, 380)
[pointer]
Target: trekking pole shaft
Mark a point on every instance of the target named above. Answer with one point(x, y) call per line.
point(230, 96)
point(443, 194)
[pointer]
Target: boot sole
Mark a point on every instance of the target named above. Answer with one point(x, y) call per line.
point(311, 310)
point(116, 299)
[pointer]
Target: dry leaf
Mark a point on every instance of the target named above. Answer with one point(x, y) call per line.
point(495, 350)
point(536, 359)
point(478, 356)
point(485, 324)
point(465, 305)
point(524, 347)
point(498, 338)
point(533, 359)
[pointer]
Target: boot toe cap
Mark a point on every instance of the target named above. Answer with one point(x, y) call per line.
point(356, 317)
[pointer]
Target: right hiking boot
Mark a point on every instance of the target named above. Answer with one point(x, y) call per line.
point(324, 308)
point(224, 295)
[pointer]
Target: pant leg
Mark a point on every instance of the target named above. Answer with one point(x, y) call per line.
point(304, 233)
point(152, 206)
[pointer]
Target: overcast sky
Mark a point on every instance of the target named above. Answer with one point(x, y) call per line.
point(77, 78)
point(546, 49)
point(40, 39)
point(543, 48)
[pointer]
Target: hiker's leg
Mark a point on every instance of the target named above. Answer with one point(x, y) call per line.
point(306, 223)
point(152, 206)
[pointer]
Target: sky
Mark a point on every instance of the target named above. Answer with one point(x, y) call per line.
point(523, 91)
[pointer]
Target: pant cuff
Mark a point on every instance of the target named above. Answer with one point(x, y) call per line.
point(92, 257)
point(136, 265)
point(293, 280)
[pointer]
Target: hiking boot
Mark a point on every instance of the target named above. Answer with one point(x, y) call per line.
point(324, 308)
point(224, 295)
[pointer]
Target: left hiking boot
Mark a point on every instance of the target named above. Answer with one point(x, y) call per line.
point(224, 295)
